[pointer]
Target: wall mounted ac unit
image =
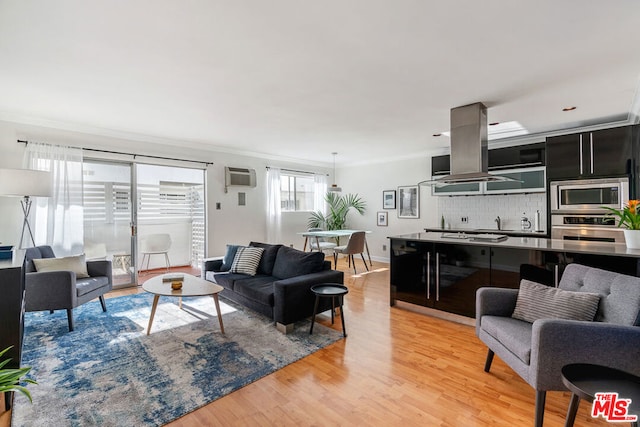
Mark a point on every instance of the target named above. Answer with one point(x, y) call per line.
point(239, 177)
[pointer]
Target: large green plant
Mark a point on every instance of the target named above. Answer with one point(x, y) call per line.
point(339, 207)
point(10, 379)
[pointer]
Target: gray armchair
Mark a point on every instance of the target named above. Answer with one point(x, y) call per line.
point(537, 351)
point(56, 290)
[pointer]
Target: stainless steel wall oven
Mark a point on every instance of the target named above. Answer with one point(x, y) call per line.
point(578, 213)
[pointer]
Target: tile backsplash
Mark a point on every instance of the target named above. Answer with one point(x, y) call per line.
point(481, 211)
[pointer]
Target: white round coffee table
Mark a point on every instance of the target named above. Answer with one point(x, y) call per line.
point(192, 286)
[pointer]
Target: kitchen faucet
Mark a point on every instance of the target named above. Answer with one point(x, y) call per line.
point(497, 220)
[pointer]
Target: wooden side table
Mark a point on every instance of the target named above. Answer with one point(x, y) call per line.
point(333, 291)
point(585, 380)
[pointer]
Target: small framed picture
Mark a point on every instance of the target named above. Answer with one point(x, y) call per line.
point(383, 219)
point(389, 199)
point(409, 202)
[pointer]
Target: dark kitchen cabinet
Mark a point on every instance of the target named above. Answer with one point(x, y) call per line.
point(439, 276)
point(446, 276)
point(457, 272)
point(517, 157)
point(409, 260)
point(11, 316)
point(11, 312)
point(524, 164)
point(441, 165)
point(600, 153)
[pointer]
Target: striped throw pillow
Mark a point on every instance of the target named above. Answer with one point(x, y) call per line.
point(246, 260)
point(536, 301)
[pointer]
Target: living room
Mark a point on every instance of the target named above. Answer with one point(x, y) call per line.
point(287, 85)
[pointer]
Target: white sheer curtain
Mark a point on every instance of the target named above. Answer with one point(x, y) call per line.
point(58, 221)
point(274, 206)
point(319, 192)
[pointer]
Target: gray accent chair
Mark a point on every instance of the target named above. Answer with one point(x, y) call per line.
point(537, 351)
point(57, 290)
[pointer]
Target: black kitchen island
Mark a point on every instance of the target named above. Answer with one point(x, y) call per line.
point(443, 270)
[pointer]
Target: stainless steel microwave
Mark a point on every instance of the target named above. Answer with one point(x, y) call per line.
point(588, 195)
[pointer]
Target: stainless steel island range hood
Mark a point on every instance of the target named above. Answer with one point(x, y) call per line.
point(469, 151)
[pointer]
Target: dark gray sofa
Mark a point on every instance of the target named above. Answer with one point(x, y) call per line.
point(281, 287)
point(537, 351)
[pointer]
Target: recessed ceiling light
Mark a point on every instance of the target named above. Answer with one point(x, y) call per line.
point(569, 108)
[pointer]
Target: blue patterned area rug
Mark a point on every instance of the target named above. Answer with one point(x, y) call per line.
point(108, 372)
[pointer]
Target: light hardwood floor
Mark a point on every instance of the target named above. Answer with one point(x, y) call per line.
point(396, 367)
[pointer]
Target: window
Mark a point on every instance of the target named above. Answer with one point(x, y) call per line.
point(296, 192)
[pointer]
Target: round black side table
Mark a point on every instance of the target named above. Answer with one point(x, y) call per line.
point(585, 380)
point(333, 291)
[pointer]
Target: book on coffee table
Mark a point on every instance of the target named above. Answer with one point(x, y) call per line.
point(173, 278)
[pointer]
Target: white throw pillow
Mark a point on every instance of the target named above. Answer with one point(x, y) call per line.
point(247, 260)
point(76, 264)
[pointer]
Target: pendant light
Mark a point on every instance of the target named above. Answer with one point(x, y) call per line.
point(334, 187)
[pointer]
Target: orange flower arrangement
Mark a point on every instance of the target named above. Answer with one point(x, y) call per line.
point(629, 215)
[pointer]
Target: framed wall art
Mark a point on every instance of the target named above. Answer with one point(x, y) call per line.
point(383, 219)
point(389, 199)
point(409, 202)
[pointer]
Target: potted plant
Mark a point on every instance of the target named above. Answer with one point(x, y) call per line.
point(629, 218)
point(12, 379)
point(339, 207)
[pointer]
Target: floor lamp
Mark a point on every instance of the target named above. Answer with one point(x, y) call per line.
point(25, 183)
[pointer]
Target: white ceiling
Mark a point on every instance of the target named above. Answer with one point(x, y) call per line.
point(370, 79)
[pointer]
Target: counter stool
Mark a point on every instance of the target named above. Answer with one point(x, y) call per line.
point(585, 380)
point(333, 291)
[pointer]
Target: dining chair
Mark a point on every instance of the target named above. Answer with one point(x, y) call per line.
point(355, 245)
point(155, 244)
point(319, 243)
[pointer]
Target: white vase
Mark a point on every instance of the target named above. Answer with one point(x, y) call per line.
point(632, 238)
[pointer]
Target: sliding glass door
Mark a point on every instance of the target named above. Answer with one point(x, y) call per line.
point(169, 205)
point(109, 217)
